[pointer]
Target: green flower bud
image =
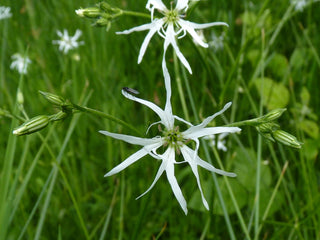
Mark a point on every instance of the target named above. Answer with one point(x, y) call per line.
point(104, 6)
point(267, 127)
point(92, 12)
point(286, 139)
point(20, 98)
point(58, 116)
point(33, 125)
point(53, 99)
point(273, 115)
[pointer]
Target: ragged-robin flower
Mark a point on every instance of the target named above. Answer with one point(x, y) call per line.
point(5, 12)
point(171, 27)
point(67, 42)
point(173, 142)
point(20, 63)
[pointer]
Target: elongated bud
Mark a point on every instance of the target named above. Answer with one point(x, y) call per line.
point(58, 116)
point(286, 139)
point(53, 99)
point(267, 127)
point(33, 125)
point(92, 12)
point(20, 98)
point(105, 6)
point(273, 115)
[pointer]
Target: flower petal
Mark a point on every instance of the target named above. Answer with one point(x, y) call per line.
point(169, 157)
point(208, 166)
point(130, 160)
point(205, 25)
point(159, 173)
point(156, 25)
point(156, 4)
point(206, 121)
point(210, 131)
point(189, 156)
point(166, 119)
point(138, 28)
point(182, 5)
point(132, 139)
point(185, 25)
point(171, 38)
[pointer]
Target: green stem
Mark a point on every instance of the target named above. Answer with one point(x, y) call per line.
point(135, 14)
point(104, 115)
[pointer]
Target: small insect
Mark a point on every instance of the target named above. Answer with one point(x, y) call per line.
point(130, 90)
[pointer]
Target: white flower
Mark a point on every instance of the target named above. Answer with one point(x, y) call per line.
point(67, 42)
point(217, 42)
point(220, 143)
point(170, 27)
point(20, 63)
point(175, 142)
point(299, 5)
point(5, 12)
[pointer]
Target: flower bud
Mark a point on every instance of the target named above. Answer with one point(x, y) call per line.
point(273, 115)
point(20, 98)
point(33, 125)
point(92, 12)
point(58, 116)
point(286, 139)
point(53, 99)
point(267, 127)
point(104, 6)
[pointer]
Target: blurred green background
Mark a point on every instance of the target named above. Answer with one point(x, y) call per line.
point(267, 42)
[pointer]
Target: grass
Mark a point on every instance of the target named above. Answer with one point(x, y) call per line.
point(51, 182)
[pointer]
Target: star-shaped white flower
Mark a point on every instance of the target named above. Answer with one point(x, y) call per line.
point(220, 143)
point(20, 63)
point(5, 12)
point(299, 5)
point(67, 42)
point(170, 27)
point(175, 142)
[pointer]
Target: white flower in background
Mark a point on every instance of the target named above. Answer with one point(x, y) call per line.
point(170, 27)
point(299, 5)
point(5, 12)
point(67, 42)
point(20, 63)
point(220, 143)
point(217, 42)
point(173, 141)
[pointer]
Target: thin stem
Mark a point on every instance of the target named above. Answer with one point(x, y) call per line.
point(104, 115)
point(136, 14)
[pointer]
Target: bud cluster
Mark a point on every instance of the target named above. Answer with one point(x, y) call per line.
point(103, 14)
point(39, 122)
point(267, 127)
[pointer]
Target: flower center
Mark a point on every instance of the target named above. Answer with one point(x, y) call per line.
point(171, 16)
point(173, 138)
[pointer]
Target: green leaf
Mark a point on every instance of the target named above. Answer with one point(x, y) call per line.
point(275, 95)
point(311, 148)
point(309, 127)
point(245, 166)
point(278, 66)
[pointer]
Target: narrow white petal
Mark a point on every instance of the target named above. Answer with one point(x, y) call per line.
point(185, 25)
point(156, 25)
point(171, 37)
point(130, 160)
point(132, 139)
point(170, 156)
point(182, 5)
point(208, 166)
point(188, 156)
point(206, 121)
point(156, 4)
point(165, 118)
point(205, 25)
point(143, 27)
point(210, 131)
point(159, 173)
